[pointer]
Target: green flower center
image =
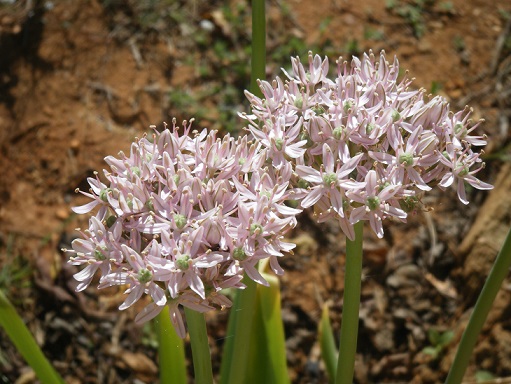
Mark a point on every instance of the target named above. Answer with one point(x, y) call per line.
point(265, 193)
point(302, 183)
point(329, 178)
point(459, 129)
point(462, 170)
point(318, 110)
point(180, 220)
point(369, 128)
point(373, 202)
point(144, 275)
point(110, 220)
point(298, 102)
point(239, 254)
point(305, 136)
point(395, 115)
point(278, 144)
point(136, 170)
point(103, 194)
point(347, 105)
point(409, 203)
point(98, 253)
point(406, 159)
point(337, 133)
point(182, 262)
point(256, 228)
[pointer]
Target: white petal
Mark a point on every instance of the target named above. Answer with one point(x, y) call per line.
point(85, 208)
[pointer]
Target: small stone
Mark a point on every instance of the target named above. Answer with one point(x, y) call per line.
point(62, 213)
point(74, 144)
point(424, 46)
point(138, 362)
point(455, 93)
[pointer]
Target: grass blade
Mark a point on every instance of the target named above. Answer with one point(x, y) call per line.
point(25, 343)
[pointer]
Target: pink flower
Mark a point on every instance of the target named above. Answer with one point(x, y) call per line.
point(330, 182)
point(99, 250)
point(459, 164)
point(377, 204)
point(280, 141)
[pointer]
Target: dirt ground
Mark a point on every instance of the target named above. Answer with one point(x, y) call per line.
point(80, 79)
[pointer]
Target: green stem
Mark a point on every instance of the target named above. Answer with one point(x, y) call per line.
point(25, 343)
point(234, 360)
point(483, 305)
point(349, 325)
point(170, 351)
point(201, 355)
point(258, 46)
point(235, 357)
point(268, 344)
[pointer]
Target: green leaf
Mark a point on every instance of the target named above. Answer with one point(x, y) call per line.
point(445, 338)
point(432, 351)
point(267, 353)
point(434, 336)
point(239, 329)
point(482, 376)
point(25, 343)
point(327, 343)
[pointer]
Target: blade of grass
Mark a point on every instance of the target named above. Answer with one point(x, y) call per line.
point(327, 344)
point(483, 305)
point(25, 343)
point(170, 351)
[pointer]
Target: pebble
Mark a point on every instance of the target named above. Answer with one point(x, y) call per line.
point(62, 213)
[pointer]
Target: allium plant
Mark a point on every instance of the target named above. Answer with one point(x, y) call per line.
point(184, 216)
point(363, 146)
point(188, 214)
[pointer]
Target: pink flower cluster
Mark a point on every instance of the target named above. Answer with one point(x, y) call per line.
point(187, 214)
point(363, 146)
point(182, 218)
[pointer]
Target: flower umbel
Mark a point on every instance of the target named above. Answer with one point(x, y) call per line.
point(182, 218)
point(374, 144)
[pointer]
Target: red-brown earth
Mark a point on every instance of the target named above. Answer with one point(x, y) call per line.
point(80, 79)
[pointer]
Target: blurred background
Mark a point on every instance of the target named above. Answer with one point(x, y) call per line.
point(80, 79)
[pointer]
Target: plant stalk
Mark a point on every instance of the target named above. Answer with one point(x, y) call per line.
point(235, 356)
point(234, 360)
point(350, 313)
point(171, 352)
point(201, 354)
point(258, 70)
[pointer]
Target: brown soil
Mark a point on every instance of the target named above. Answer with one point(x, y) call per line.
point(80, 79)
